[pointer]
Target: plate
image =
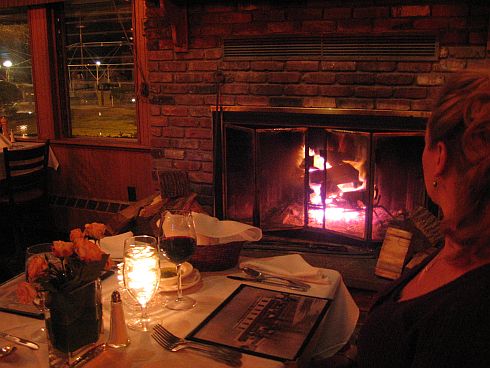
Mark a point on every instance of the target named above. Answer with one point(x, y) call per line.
point(187, 282)
point(169, 274)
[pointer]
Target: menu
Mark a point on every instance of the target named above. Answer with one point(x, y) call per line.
point(9, 302)
point(269, 323)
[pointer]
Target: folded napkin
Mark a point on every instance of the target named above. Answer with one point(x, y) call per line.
point(292, 266)
point(114, 245)
point(210, 230)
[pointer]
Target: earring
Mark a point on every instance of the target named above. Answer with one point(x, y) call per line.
point(434, 183)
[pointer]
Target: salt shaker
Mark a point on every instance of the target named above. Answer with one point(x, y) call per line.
point(118, 335)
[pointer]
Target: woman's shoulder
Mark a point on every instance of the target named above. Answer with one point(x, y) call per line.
point(466, 294)
point(480, 274)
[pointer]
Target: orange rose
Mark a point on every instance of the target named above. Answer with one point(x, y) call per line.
point(26, 293)
point(87, 250)
point(36, 265)
point(95, 230)
point(75, 234)
point(109, 264)
point(62, 249)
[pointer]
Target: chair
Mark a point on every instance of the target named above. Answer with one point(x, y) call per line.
point(26, 190)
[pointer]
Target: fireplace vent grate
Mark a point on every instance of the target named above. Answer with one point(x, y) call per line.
point(335, 47)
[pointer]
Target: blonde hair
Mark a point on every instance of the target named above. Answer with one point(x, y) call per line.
point(461, 119)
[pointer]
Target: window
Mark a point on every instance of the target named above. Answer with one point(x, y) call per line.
point(68, 70)
point(17, 99)
point(100, 68)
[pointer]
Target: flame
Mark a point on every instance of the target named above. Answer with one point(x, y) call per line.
point(334, 214)
point(318, 161)
point(332, 211)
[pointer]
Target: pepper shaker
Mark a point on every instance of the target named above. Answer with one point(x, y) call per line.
point(118, 335)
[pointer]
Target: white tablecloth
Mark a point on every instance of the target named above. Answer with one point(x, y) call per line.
point(52, 161)
point(214, 287)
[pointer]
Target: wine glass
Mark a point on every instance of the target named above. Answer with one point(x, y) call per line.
point(179, 243)
point(141, 275)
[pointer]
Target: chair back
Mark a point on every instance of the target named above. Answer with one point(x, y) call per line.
point(26, 174)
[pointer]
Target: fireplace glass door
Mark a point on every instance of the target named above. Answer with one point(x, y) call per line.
point(316, 180)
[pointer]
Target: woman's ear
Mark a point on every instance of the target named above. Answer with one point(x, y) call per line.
point(441, 164)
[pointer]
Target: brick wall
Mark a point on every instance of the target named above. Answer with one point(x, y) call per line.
point(183, 84)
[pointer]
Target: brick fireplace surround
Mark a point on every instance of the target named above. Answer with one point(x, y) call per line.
point(183, 88)
point(183, 80)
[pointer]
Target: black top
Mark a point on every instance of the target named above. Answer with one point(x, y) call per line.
point(447, 327)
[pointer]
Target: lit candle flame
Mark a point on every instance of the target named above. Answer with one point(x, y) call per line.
point(142, 272)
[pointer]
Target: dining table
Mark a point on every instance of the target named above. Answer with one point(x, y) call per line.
point(52, 159)
point(210, 290)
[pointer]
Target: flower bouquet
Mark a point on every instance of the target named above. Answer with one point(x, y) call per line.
point(65, 282)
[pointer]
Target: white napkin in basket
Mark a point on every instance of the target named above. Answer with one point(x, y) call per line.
point(292, 266)
point(210, 230)
point(114, 245)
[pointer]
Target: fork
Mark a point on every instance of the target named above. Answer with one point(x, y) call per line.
point(174, 343)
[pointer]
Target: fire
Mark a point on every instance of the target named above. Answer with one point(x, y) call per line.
point(335, 208)
point(318, 161)
point(336, 214)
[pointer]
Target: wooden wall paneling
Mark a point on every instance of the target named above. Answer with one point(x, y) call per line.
point(101, 173)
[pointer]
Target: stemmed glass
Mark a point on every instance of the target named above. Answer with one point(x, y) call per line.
point(141, 275)
point(179, 244)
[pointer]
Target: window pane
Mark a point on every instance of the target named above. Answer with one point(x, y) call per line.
point(99, 54)
point(17, 100)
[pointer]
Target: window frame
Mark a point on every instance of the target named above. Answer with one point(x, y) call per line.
point(49, 80)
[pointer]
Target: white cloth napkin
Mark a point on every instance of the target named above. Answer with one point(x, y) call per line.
point(210, 230)
point(292, 266)
point(114, 245)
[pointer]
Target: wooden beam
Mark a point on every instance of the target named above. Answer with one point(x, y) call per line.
point(175, 16)
point(42, 72)
point(141, 73)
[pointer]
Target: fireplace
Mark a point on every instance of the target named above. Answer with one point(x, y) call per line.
point(325, 175)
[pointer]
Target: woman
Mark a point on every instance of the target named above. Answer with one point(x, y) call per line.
point(439, 314)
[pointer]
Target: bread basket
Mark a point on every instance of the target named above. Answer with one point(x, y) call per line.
point(216, 257)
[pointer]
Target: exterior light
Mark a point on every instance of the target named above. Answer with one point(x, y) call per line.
point(7, 63)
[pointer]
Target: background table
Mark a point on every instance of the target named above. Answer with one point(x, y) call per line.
point(144, 352)
point(52, 161)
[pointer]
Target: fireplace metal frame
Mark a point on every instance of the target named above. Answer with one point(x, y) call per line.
point(269, 118)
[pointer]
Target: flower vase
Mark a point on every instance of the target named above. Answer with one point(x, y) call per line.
point(74, 324)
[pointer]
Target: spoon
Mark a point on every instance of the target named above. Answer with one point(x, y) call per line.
point(261, 276)
point(6, 350)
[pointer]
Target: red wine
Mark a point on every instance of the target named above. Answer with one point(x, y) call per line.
point(179, 248)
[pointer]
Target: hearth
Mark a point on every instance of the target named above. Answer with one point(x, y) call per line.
point(327, 176)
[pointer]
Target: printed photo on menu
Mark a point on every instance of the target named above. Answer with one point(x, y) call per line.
point(268, 323)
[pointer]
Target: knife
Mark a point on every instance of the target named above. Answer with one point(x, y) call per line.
point(268, 282)
point(20, 341)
